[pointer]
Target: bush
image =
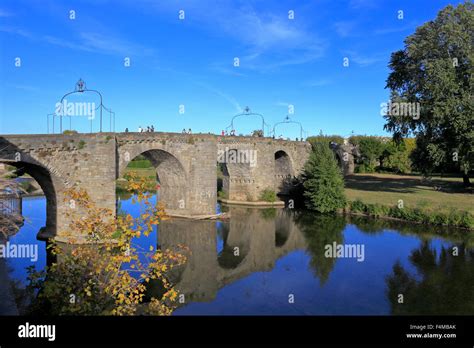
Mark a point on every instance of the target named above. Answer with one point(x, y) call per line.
point(268, 195)
point(325, 139)
point(420, 215)
point(323, 181)
point(222, 195)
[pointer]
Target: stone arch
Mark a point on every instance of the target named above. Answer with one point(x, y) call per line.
point(172, 178)
point(283, 171)
point(236, 166)
point(46, 181)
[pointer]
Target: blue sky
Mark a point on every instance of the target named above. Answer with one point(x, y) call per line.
point(190, 61)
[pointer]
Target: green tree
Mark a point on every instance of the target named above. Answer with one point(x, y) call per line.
point(435, 71)
point(323, 181)
point(396, 156)
point(321, 138)
point(371, 149)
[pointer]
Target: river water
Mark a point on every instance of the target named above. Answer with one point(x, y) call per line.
point(276, 262)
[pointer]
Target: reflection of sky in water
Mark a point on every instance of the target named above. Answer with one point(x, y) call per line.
point(351, 287)
point(34, 211)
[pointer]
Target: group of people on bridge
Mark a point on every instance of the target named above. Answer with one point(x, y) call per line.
point(259, 133)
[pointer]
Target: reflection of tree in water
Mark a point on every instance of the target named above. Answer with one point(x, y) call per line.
point(368, 225)
point(320, 230)
point(373, 226)
point(446, 285)
point(268, 213)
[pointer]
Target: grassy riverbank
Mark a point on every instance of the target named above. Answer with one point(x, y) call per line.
point(442, 201)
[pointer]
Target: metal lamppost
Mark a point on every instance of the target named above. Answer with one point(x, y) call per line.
point(287, 120)
point(80, 88)
point(47, 121)
point(247, 112)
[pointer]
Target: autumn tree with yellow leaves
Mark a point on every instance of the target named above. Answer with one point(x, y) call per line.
point(109, 273)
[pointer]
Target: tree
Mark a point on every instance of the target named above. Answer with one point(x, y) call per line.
point(434, 72)
point(257, 133)
point(371, 149)
point(323, 181)
point(111, 272)
point(396, 156)
point(321, 138)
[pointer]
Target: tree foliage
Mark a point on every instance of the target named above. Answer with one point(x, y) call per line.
point(435, 69)
point(371, 149)
point(323, 181)
point(321, 138)
point(108, 273)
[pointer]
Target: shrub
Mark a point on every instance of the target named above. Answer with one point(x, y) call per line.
point(323, 181)
point(325, 139)
point(420, 215)
point(222, 195)
point(268, 195)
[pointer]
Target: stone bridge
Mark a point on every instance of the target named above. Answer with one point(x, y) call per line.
point(186, 167)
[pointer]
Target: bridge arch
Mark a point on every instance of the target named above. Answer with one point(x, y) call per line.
point(48, 183)
point(171, 176)
point(236, 165)
point(284, 171)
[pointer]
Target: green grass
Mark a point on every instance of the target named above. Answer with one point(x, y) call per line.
point(142, 164)
point(441, 194)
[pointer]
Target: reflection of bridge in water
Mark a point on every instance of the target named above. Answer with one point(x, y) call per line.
point(254, 240)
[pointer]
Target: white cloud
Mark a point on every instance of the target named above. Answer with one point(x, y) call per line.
point(267, 40)
point(86, 41)
point(345, 28)
point(364, 60)
point(5, 13)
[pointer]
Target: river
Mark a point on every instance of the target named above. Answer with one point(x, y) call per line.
point(276, 262)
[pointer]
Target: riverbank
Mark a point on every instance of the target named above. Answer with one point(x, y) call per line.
point(455, 218)
point(440, 201)
point(276, 204)
point(440, 193)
